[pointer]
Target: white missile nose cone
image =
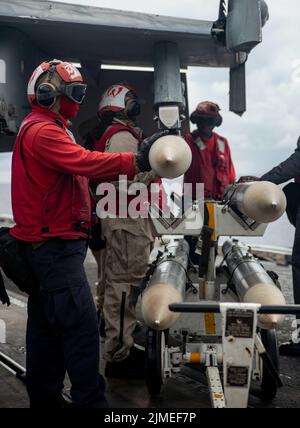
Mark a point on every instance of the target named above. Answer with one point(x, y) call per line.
point(270, 322)
point(277, 320)
point(169, 160)
point(264, 202)
point(274, 320)
point(155, 306)
point(170, 156)
point(266, 294)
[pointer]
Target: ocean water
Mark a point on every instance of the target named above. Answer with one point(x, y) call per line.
point(5, 200)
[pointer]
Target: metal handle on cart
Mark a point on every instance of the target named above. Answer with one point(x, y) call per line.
point(216, 308)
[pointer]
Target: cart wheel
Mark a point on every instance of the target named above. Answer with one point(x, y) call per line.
point(155, 347)
point(269, 385)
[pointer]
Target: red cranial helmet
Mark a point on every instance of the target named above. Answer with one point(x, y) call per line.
point(207, 112)
point(45, 94)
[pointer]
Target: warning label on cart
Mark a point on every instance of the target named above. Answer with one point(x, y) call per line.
point(239, 323)
point(237, 376)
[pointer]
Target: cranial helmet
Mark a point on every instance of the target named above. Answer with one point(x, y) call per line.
point(44, 92)
point(207, 113)
point(120, 98)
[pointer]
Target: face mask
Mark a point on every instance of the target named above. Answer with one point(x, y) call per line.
point(68, 109)
point(205, 131)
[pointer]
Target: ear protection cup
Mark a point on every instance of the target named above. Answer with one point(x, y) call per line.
point(215, 121)
point(133, 108)
point(194, 118)
point(46, 95)
point(219, 121)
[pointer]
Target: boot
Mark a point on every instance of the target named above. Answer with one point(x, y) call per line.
point(133, 367)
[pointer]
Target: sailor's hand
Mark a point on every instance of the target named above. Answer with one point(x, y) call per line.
point(248, 178)
point(142, 156)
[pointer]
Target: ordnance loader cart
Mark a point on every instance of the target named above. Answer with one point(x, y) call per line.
point(217, 333)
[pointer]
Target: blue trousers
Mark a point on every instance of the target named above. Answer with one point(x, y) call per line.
point(62, 328)
point(292, 192)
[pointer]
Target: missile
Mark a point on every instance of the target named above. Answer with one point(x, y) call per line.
point(252, 283)
point(261, 201)
point(170, 156)
point(166, 286)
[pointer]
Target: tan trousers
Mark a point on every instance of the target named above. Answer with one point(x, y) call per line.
point(124, 262)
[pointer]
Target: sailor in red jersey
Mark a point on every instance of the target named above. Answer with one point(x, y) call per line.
point(211, 159)
point(52, 211)
point(211, 163)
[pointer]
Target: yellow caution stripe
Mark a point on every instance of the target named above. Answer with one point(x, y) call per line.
point(211, 219)
point(210, 324)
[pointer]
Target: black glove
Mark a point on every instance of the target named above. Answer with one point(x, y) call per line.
point(96, 243)
point(248, 178)
point(142, 156)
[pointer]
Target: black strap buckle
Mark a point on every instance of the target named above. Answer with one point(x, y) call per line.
point(78, 227)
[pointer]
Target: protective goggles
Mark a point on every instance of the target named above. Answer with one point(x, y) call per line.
point(75, 92)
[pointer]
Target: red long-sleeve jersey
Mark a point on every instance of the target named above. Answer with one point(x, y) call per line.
point(50, 172)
